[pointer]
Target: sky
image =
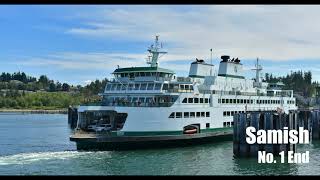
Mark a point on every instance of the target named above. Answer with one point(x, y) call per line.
point(80, 43)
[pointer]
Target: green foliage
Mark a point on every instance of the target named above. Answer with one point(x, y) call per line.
point(41, 100)
point(20, 91)
point(298, 81)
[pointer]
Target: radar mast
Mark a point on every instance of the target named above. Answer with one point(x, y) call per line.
point(154, 51)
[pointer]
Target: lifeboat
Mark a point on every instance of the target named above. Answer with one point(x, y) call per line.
point(190, 131)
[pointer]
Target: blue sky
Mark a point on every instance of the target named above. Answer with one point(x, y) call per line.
point(80, 43)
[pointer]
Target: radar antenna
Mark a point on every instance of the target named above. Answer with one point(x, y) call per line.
point(154, 51)
point(257, 68)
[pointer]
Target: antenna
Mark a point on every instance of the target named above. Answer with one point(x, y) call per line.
point(211, 61)
point(257, 68)
point(154, 50)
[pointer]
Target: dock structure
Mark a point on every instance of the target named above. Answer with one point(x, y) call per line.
point(308, 119)
point(315, 117)
point(72, 117)
point(261, 120)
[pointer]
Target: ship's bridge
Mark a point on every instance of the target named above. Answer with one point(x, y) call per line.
point(143, 74)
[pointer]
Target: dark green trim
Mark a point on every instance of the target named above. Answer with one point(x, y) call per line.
point(155, 133)
point(196, 76)
point(232, 76)
point(143, 69)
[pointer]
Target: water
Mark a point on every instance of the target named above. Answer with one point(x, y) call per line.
point(38, 144)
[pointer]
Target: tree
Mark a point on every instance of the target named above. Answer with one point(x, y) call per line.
point(44, 80)
point(52, 87)
point(65, 87)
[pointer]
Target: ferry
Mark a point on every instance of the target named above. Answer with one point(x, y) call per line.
point(151, 106)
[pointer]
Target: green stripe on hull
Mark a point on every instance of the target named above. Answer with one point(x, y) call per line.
point(155, 133)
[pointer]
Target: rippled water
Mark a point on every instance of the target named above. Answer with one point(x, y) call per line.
point(38, 144)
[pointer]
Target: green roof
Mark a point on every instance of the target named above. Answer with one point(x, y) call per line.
point(143, 69)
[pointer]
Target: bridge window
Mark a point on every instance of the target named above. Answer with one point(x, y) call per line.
point(131, 87)
point(108, 87)
point(119, 87)
point(114, 87)
point(137, 86)
point(171, 115)
point(143, 86)
point(150, 86)
point(157, 86)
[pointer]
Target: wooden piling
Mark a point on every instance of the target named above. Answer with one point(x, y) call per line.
point(243, 145)
point(266, 121)
point(315, 125)
point(254, 122)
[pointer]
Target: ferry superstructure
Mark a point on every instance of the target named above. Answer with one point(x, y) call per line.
point(152, 104)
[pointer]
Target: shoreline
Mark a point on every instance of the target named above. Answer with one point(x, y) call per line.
point(35, 111)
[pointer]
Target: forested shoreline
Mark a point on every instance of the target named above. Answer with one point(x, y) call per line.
point(21, 91)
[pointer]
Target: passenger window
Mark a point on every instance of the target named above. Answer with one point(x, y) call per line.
point(201, 100)
point(207, 114)
point(196, 100)
point(178, 114)
point(192, 114)
point(171, 115)
point(203, 114)
point(206, 100)
point(198, 114)
point(186, 114)
point(184, 100)
point(190, 100)
point(223, 101)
